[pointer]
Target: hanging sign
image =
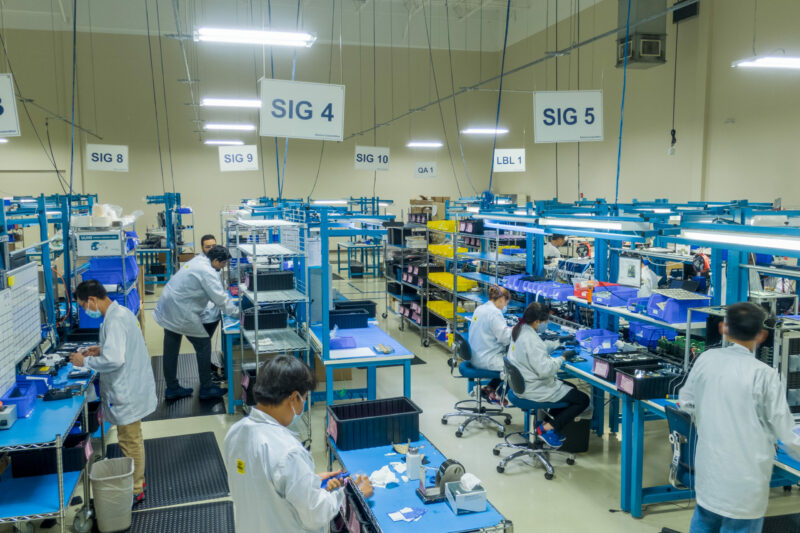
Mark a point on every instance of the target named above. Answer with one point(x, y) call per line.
point(108, 157)
point(567, 116)
point(509, 160)
point(9, 120)
point(372, 158)
point(426, 169)
point(238, 158)
point(302, 110)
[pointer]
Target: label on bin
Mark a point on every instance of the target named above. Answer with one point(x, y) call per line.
point(600, 368)
point(625, 384)
point(333, 431)
point(88, 450)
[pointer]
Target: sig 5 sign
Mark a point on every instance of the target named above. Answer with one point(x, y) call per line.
point(237, 158)
point(426, 169)
point(107, 157)
point(567, 116)
point(509, 160)
point(302, 110)
point(372, 158)
point(9, 120)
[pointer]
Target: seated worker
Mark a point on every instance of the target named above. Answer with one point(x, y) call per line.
point(489, 336)
point(739, 407)
point(531, 355)
point(127, 385)
point(271, 474)
point(551, 249)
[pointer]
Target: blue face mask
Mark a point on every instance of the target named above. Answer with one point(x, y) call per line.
point(542, 328)
point(504, 310)
point(93, 313)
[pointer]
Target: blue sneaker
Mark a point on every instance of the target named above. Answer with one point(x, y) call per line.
point(175, 394)
point(551, 438)
point(212, 392)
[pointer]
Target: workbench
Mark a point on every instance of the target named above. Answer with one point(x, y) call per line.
point(438, 517)
point(230, 336)
point(368, 253)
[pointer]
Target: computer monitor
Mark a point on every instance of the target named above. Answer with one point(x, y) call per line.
point(630, 271)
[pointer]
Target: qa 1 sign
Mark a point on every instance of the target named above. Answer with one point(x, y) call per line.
point(9, 120)
point(238, 158)
point(426, 169)
point(302, 110)
point(567, 116)
point(509, 160)
point(107, 157)
point(372, 158)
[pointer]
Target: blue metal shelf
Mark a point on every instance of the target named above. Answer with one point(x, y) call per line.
point(34, 496)
point(480, 277)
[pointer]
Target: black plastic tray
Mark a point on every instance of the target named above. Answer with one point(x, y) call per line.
point(373, 423)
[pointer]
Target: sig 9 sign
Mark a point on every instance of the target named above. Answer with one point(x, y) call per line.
point(371, 158)
point(301, 110)
point(567, 116)
point(238, 158)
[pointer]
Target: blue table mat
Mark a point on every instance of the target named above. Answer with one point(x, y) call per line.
point(367, 338)
point(439, 517)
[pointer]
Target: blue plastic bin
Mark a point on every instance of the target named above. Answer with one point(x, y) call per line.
point(132, 303)
point(513, 283)
point(23, 395)
point(108, 270)
point(597, 340)
point(638, 305)
point(613, 295)
point(675, 311)
point(648, 335)
point(559, 291)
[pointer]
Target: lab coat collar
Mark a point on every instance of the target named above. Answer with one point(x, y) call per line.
point(257, 415)
point(740, 350)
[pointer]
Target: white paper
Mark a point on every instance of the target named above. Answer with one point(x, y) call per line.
point(349, 353)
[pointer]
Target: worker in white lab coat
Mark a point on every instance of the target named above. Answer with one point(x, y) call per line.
point(178, 311)
point(740, 410)
point(489, 336)
point(271, 474)
point(531, 356)
point(649, 280)
point(210, 317)
point(551, 248)
point(127, 386)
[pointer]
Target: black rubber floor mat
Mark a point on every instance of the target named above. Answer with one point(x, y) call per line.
point(418, 361)
point(215, 517)
point(181, 469)
point(184, 407)
point(787, 523)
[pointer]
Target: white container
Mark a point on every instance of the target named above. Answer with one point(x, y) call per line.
point(414, 463)
point(465, 501)
point(112, 486)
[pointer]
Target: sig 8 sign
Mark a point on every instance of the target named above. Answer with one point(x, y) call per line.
point(371, 158)
point(107, 157)
point(567, 116)
point(301, 110)
point(238, 158)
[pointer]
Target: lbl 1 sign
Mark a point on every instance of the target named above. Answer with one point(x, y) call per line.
point(567, 116)
point(426, 169)
point(113, 158)
point(371, 158)
point(238, 158)
point(509, 160)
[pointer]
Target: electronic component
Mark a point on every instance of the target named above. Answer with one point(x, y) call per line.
point(8, 415)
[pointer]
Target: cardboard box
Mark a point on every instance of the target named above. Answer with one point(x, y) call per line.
point(339, 374)
point(436, 210)
point(185, 257)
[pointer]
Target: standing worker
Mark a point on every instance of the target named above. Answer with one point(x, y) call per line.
point(551, 249)
point(127, 386)
point(271, 475)
point(178, 311)
point(739, 407)
point(489, 336)
point(210, 317)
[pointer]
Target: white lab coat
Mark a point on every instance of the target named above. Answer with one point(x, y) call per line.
point(489, 336)
point(551, 252)
point(127, 386)
point(211, 313)
point(649, 282)
point(272, 479)
point(740, 410)
point(186, 296)
point(531, 355)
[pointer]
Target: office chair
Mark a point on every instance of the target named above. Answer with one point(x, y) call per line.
point(473, 409)
point(530, 446)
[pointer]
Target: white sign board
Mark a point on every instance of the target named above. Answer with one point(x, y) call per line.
point(302, 110)
point(107, 157)
point(372, 158)
point(567, 116)
point(9, 120)
point(426, 169)
point(99, 243)
point(237, 158)
point(509, 160)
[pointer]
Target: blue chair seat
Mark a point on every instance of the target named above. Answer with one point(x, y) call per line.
point(470, 372)
point(530, 405)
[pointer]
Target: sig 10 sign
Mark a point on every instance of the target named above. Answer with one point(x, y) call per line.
point(567, 116)
point(107, 157)
point(302, 110)
point(372, 158)
point(237, 158)
point(509, 160)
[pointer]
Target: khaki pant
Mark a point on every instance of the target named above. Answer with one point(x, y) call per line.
point(131, 443)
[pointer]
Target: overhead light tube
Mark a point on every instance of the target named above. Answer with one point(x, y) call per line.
point(3, 141)
point(230, 102)
point(484, 131)
point(213, 142)
point(776, 62)
point(776, 242)
point(424, 144)
point(589, 224)
point(270, 38)
point(229, 127)
point(329, 202)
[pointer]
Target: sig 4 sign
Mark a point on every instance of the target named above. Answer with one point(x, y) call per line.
point(238, 158)
point(426, 169)
point(302, 110)
point(9, 120)
point(567, 116)
point(107, 157)
point(509, 160)
point(372, 158)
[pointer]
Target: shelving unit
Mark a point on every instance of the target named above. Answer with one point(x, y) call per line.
point(402, 251)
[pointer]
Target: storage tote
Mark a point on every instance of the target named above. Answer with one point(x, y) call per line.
point(672, 305)
point(373, 423)
point(597, 340)
point(613, 295)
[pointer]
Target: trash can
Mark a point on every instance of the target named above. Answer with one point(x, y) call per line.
point(112, 486)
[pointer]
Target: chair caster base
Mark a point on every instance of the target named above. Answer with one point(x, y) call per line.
point(570, 461)
point(496, 451)
point(500, 469)
point(548, 476)
point(458, 434)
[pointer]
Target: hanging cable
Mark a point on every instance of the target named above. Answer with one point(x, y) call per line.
point(755, 19)
point(155, 99)
point(374, 94)
point(673, 139)
point(91, 54)
point(72, 105)
point(578, 39)
point(255, 81)
point(164, 96)
point(499, 93)
point(622, 105)
point(556, 32)
point(330, 67)
point(272, 75)
point(282, 178)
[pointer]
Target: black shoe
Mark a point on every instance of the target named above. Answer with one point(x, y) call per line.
point(218, 378)
point(212, 392)
point(175, 394)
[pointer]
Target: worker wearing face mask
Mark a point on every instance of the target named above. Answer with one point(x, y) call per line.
point(649, 280)
point(489, 336)
point(271, 474)
point(178, 311)
point(210, 316)
point(739, 407)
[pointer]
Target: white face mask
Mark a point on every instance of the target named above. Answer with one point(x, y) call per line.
point(542, 328)
point(92, 313)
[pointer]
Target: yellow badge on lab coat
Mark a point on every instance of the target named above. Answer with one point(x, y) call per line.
point(240, 466)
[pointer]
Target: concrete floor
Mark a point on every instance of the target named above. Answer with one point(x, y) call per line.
point(582, 497)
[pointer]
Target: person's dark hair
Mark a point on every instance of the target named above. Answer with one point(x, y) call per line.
point(205, 238)
point(745, 321)
point(535, 311)
point(90, 287)
point(279, 378)
point(557, 237)
point(220, 253)
point(496, 292)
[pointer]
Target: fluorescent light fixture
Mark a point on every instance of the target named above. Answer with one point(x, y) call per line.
point(384, 204)
point(229, 127)
point(3, 141)
point(424, 144)
point(776, 242)
point(473, 209)
point(657, 210)
point(272, 38)
point(485, 131)
point(230, 102)
point(223, 142)
point(508, 218)
point(590, 224)
point(521, 212)
point(521, 229)
point(503, 201)
point(329, 202)
point(780, 62)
